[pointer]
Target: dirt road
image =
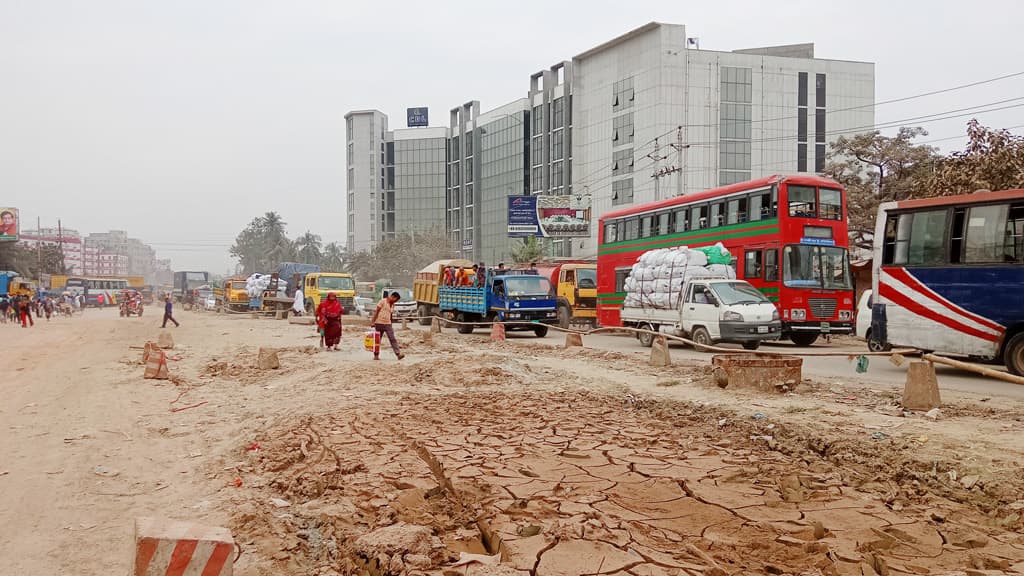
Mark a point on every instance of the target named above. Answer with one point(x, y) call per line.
point(561, 461)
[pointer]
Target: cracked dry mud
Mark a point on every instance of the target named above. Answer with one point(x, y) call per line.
point(570, 483)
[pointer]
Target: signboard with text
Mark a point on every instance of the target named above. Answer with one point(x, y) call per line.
point(566, 216)
point(416, 117)
point(8, 224)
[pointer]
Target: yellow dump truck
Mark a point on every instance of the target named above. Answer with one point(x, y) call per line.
point(576, 285)
point(235, 295)
point(318, 284)
point(424, 287)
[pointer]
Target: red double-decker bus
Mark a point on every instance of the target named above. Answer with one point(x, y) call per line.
point(787, 235)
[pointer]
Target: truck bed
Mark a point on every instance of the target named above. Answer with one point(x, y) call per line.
point(649, 314)
point(463, 299)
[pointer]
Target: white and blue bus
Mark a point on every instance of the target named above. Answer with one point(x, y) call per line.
point(949, 276)
point(93, 287)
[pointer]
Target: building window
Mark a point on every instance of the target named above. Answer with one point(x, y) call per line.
point(752, 264)
point(390, 153)
point(622, 161)
point(622, 94)
point(556, 145)
point(557, 113)
point(819, 123)
point(538, 119)
point(538, 179)
point(622, 191)
point(735, 121)
point(556, 174)
point(622, 129)
point(801, 123)
point(468, 190)
point(538, 151)
point(469, 169)
point(469, 143)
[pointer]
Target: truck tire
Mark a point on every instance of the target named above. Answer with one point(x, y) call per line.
point(752, 345)
point(463, 328)
point(564, 317)
point(701, 336)
point(646, 340)
point(1013, 355)
point(540, 331)
point(424, 313)
point(803, 338)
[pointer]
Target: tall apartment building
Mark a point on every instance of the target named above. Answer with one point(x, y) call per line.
point(114, 250)
point(69, 240)
point(643, 116)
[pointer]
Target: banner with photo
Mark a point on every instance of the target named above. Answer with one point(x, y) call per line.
point(8, 224)
point(566, 216)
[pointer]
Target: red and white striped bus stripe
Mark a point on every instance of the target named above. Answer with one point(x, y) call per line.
point(901, 288)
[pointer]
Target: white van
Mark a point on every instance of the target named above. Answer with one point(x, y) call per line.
point(864, 323)
point(711, 311)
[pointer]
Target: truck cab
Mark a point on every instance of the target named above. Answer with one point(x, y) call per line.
point(710, 311)
point(236, 297)
point(512, 297)
point(576, 286)
point(317, 285)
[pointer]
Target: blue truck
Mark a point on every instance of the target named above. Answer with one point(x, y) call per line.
point(514, 297)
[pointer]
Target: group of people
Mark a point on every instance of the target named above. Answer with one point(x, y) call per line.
point(462, 277)
point(328, 320)
point(22, 309)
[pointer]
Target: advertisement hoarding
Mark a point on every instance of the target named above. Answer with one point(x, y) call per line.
point(565, 216)
point(8, 224)
point(416, 117)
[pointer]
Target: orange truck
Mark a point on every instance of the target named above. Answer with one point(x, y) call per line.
point(575, 283)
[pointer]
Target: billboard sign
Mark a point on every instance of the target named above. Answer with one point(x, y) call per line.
point(566, 216)
point(416, 117)
point(8, 224)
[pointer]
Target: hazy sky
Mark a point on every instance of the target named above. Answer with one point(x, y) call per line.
point(180, 120)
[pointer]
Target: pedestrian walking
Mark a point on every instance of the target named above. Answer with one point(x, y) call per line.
point(328, 314)
point(381, 322)
point(25, 309)
point(169, 313)
point(5, 305)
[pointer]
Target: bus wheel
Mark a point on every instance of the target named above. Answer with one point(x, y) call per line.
point(875, 345)
point(646, 339)
point(424, 313)
point(564, 317)
point(1014, 355)
point(463, 328)
point(803, 338)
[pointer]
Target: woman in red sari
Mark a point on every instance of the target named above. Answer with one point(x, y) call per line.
point(328, 314)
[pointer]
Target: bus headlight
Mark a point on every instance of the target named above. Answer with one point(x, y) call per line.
point(798, 314)
point(844, 314)
point(730, 316)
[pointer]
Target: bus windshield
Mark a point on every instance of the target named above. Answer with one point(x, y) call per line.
point(586, 278)
point(334, 283)
point(806, 266)
point(528, 286)
point(737, 293)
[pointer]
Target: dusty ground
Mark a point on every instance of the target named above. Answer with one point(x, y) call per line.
point(556, 461)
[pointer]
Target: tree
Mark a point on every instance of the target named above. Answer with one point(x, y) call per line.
point(991, 160)
point(309, 248)
point(31, 262)
point(529, 250)
point(333, 257)
point(399, 258)
point(874, 169)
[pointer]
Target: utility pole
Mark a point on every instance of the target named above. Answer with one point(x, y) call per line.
point(39, 248)
point(660, 173)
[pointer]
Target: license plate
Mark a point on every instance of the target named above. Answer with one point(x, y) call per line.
point(762, 329)
point(825, 327)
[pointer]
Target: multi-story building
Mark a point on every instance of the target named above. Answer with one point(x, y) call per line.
point(415, 161)
point(109, 249)
point(69, 240)
point(365, 131)
point(640, 117)
point(111, 264)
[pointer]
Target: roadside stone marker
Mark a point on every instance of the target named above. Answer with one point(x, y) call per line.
point(921, 392)
point(659, 352)
point(497, 332)
point(267, 359)
point(573, 339)
point(435, 326)
point(173, 547)
point(165, 341)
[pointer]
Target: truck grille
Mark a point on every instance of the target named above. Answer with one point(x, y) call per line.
point(822, 308)
point(349, 301)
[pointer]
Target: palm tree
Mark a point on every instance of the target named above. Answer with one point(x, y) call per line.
point(529, 251)
point(333, 258)
point(308, 248)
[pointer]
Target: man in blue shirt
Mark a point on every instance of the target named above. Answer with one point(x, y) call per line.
point(168, 310)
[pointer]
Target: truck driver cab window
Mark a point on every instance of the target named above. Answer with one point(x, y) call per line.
point(499, 288)
point(699, 295)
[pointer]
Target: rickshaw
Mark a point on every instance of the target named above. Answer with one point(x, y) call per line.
point(130, 302)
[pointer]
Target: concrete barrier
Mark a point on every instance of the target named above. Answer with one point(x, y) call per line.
point(166, 547)
point(768, 373)
point(921, 391)
point(267, 359)
point(659, 352)
point(498, 332)
point(573, 339)
point(435, 326)
point(165, 341)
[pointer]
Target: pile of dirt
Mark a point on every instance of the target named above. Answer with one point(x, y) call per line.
point(583, 483)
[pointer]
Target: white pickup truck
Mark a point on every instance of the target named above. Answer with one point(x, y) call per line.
point(711, 311)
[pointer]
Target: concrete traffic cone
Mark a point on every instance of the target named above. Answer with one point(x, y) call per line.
point(405, 323)
point(435, 325)
point(659, 352)
point(497, 331)
point(573, 339)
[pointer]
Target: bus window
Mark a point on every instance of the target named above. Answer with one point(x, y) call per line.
point(831, 202)
point(682, 220)
point(609, 233)
point(736, 211)
point(699, 217)
point(663, 223)
point(716, 215)
point(645, 226)
point(984, 238)
point(771, 265)
point(752, 264)
point(632, 229)
point(956, 236)
point(755, 205)
point(1013, 246)
point(801, 201)
point(921, 238)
